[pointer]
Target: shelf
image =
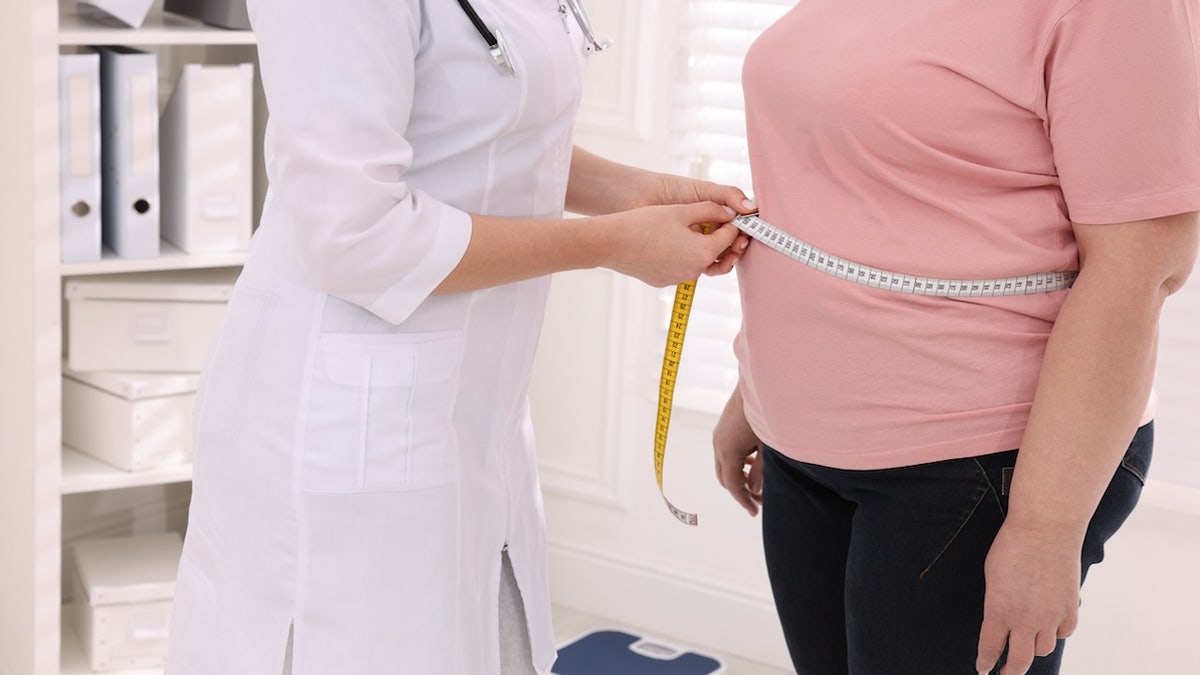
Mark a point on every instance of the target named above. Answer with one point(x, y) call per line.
point(73, 661)
point(170, 258)
point(81, 473)
point(160, 28)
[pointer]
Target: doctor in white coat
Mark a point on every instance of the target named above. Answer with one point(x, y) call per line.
point(365, 467)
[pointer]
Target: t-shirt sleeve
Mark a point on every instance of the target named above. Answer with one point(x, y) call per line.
point(1123, 109)
point(339, 80)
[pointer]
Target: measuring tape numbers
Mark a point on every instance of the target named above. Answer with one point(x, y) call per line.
point(807, 254)
point(680, 311)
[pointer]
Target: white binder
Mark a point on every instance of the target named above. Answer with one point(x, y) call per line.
point(79, 156)
point(118, 12)
point(207, 157)
point(129, 151)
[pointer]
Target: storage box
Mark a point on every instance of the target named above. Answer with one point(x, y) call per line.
point(124, 13)
point(145, 322)
point(604, 652)
point(134, 421)
point(223, 13)
point(122, 594)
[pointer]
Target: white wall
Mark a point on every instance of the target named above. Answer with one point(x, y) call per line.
point(1139, 605)
point(615, 549)
point(616, 552)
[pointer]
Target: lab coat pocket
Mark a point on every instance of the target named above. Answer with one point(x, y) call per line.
point(379, 413)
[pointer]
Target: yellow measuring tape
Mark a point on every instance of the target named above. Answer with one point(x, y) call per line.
point(666, 388)
point(676, 329)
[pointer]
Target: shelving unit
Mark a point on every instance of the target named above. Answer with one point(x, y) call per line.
point(38, 472)
point(170, 258)
point(75, 663)
point(81, 473)
point(160, 28)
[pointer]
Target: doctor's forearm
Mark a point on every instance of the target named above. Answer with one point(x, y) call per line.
point(506, 250)
point(598, 185)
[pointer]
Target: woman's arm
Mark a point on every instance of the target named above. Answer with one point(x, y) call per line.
point(737, 453)
point(1095, 380)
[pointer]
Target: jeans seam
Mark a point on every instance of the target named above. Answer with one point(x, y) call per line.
point(991, 486)
point(953, 537)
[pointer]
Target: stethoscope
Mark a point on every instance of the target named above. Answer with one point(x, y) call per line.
point(495, 41)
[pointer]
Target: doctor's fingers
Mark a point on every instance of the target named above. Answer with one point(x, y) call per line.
point(676, 189)
point(725, 261)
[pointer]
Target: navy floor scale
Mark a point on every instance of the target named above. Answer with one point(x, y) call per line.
point(612, 652)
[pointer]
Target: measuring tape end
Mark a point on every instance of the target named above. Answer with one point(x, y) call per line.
point(681, 515)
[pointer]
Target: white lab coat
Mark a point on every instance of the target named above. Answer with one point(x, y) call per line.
point(364, 450)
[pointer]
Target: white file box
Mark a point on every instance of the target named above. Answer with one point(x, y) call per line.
point(123, 589)
point(207, 164)
point(145, 322)
point(224, 13)
point(133, 421)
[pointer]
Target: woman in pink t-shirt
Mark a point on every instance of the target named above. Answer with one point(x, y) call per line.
point(879, 430)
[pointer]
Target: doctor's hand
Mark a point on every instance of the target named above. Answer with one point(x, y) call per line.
point(738, 454)
point(664, 188)
point(666, 245)
point(1032, 597)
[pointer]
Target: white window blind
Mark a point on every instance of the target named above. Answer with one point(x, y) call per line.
point(708, 140)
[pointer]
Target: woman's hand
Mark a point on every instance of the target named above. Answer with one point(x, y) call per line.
point(738, 455)
point(1032, 597)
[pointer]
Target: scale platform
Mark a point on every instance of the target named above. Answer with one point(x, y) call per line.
point(614, 652)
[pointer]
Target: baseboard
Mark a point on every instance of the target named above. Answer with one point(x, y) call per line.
point(667, 605)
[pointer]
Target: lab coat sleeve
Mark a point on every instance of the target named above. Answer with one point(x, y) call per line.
point(339, 82)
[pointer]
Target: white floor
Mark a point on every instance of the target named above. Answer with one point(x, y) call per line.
point(570, 624)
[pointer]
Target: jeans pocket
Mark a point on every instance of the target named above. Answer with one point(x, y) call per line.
point(1137, 458)
point(379, 413)
point(946, 505)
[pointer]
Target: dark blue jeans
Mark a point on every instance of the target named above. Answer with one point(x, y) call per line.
point(881, 572)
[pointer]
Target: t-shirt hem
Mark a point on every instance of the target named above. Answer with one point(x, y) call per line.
point(986, 444)
point(851, 460)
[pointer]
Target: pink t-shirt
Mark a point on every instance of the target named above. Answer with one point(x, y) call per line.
point(952, 139)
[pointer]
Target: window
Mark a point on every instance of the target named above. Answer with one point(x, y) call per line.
point(708, 140)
